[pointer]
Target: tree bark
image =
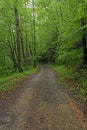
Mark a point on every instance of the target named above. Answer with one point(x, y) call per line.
point(13, 58)
point(26, 33)
point(34, 32)
point(26, 39)
point(17, 37)
point(22, 46)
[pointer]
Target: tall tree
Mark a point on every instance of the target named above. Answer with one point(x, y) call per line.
point(17, 36)
point(34, 32)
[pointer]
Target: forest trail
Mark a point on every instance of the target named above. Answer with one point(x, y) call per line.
point(41, 105)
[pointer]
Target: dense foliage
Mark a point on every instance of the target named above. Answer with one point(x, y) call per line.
point(16, 35)
point(34, 31)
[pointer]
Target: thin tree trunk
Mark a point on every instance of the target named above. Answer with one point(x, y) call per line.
point(34, 32)
point(26, 33)
point(17, 37)
point(22, 46)
point(26, 38)
point(12, 47)
point(13, 58)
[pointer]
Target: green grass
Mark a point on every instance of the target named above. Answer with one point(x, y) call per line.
point(8, 83)
point(73, 80)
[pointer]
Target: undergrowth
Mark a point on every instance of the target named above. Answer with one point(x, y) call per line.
point(8, 83)
point(74, 80)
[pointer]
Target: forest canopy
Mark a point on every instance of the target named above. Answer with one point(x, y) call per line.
point(33, 31)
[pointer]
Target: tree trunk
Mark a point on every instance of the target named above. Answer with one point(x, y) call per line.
point(83, 23)
point(12, 49)
point(17, 37)
point(13, 58)
point(22, 46)
point(26, 33)
point(26, 39)
point(34, 33)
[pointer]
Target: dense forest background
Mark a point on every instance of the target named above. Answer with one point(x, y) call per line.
point(48, 31)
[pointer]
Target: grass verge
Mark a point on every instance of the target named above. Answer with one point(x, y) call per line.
point(8, 83)
point(73, 80)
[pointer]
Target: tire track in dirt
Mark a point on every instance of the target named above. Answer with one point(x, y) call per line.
point(41, 105)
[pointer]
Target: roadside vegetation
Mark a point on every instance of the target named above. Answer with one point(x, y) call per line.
point(45, 31)
point(73, 80)
point(9, 83)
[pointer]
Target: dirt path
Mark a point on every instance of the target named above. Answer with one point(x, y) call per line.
point(41, 104)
